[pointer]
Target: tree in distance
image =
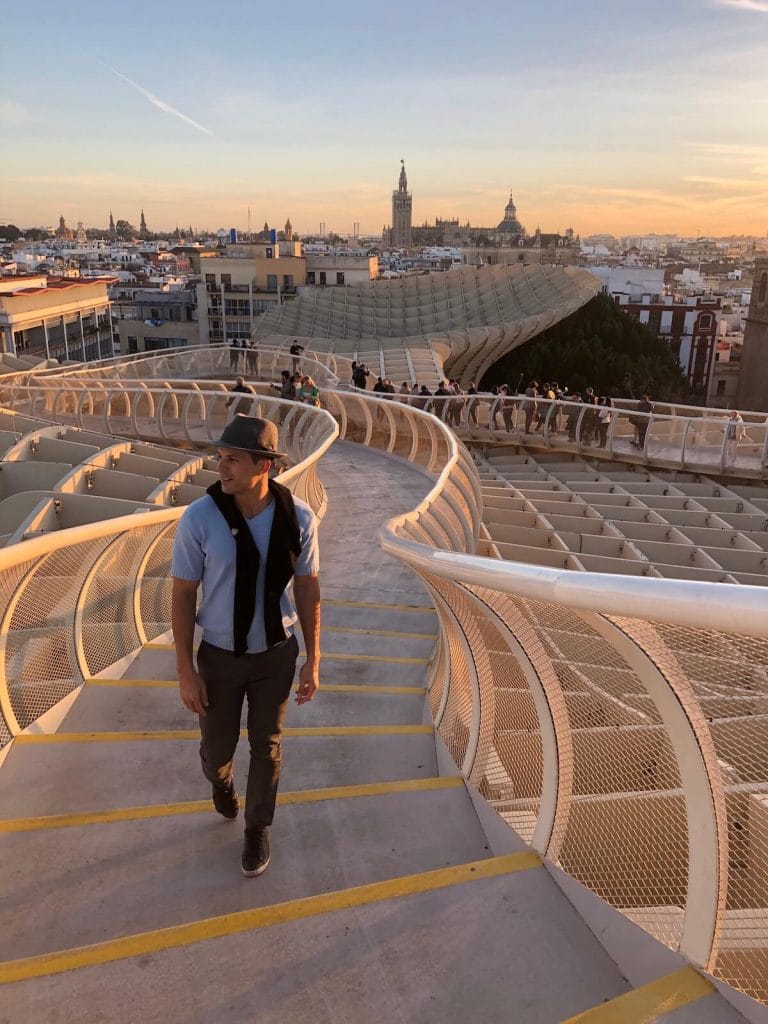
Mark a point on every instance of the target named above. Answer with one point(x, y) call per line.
point(125, 231)
point(598, 346)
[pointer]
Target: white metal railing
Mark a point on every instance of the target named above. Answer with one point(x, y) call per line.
point(196, 363)
point(685, 438)
point(619, 724)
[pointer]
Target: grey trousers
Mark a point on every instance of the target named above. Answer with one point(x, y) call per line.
point(265, 681)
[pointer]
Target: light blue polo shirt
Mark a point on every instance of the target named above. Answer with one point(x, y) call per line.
point(205, 550)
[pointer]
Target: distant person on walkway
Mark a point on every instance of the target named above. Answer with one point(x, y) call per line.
point(424, 398)
point(308, 392)
point(735, 431)
point(604, 416)
point(252, 359)
point(498, 396)
point(508, 407)
point(641, 422)
point(440, 407)
point(360, 375)
point(548, 393)
point(245, 541)
point(589, 419)
point(573, 411)
point(241, 405)
point(234, 355)
point(530, 405)
point(296, 349)
point(555, 420)
point(472, 404)
point(286, 387)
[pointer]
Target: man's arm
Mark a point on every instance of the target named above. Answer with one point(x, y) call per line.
point(306, 593)
point(183, 608)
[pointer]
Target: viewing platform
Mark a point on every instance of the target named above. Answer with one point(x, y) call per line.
point(523, 792)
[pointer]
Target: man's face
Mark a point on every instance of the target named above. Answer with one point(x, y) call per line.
point(238, 472)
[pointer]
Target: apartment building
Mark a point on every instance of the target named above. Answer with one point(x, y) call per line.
point(244, 282)
point(154, 320)
point(64, 318)
point(341, 268)
point(689, 325)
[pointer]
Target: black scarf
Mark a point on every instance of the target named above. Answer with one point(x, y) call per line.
point(284, 548)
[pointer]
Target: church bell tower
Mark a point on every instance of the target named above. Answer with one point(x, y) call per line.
point(402, 206)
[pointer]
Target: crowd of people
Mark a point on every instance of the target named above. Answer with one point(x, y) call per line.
point(546, 406)
point(244, 355)
point(549, 405)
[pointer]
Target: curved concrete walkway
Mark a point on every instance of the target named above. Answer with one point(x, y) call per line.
point(383, 901)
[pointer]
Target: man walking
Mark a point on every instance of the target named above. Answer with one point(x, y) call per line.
point(296, 349)
point(244, 541)
point(241, 404)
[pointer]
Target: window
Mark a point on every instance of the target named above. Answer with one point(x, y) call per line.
point(133, 343)
point(762, 289)
point(154, 314)
point(237, 307)
point(720, 388)
point(311, 277)
point(153, 344)
point(705, 321)
point(322, 277)
point(226, 282)
point(339, 277)
point(287, 280)
point(271, 282)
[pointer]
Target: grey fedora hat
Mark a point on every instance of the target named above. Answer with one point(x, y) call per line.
point(251, 434)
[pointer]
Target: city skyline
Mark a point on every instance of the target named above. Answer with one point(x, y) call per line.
point(596, 118)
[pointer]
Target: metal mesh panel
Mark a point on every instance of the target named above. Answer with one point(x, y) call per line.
point(511, 771)
point(41, 664)
point(109, 628)
point(626, 835)
point(729, 674)
point(456, 724)
point(156, 583)
point(10, 580)
point(437, 684)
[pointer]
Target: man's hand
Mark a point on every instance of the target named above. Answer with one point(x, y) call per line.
point(309, 683)
point(194, 695)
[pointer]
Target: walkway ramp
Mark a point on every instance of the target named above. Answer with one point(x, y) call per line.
point(123, 897)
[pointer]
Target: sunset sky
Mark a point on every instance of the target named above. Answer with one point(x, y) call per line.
point(607, 116)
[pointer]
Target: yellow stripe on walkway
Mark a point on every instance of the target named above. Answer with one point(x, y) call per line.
point(377, 604)
point(301, 796)
point(27, 739)
point(649, 1002)
point(359, 631)
point(261, 917)
point(327, 656)
point(171, 684)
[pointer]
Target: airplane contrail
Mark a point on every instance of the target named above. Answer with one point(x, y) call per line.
point(748, 5)
point(157, 102)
